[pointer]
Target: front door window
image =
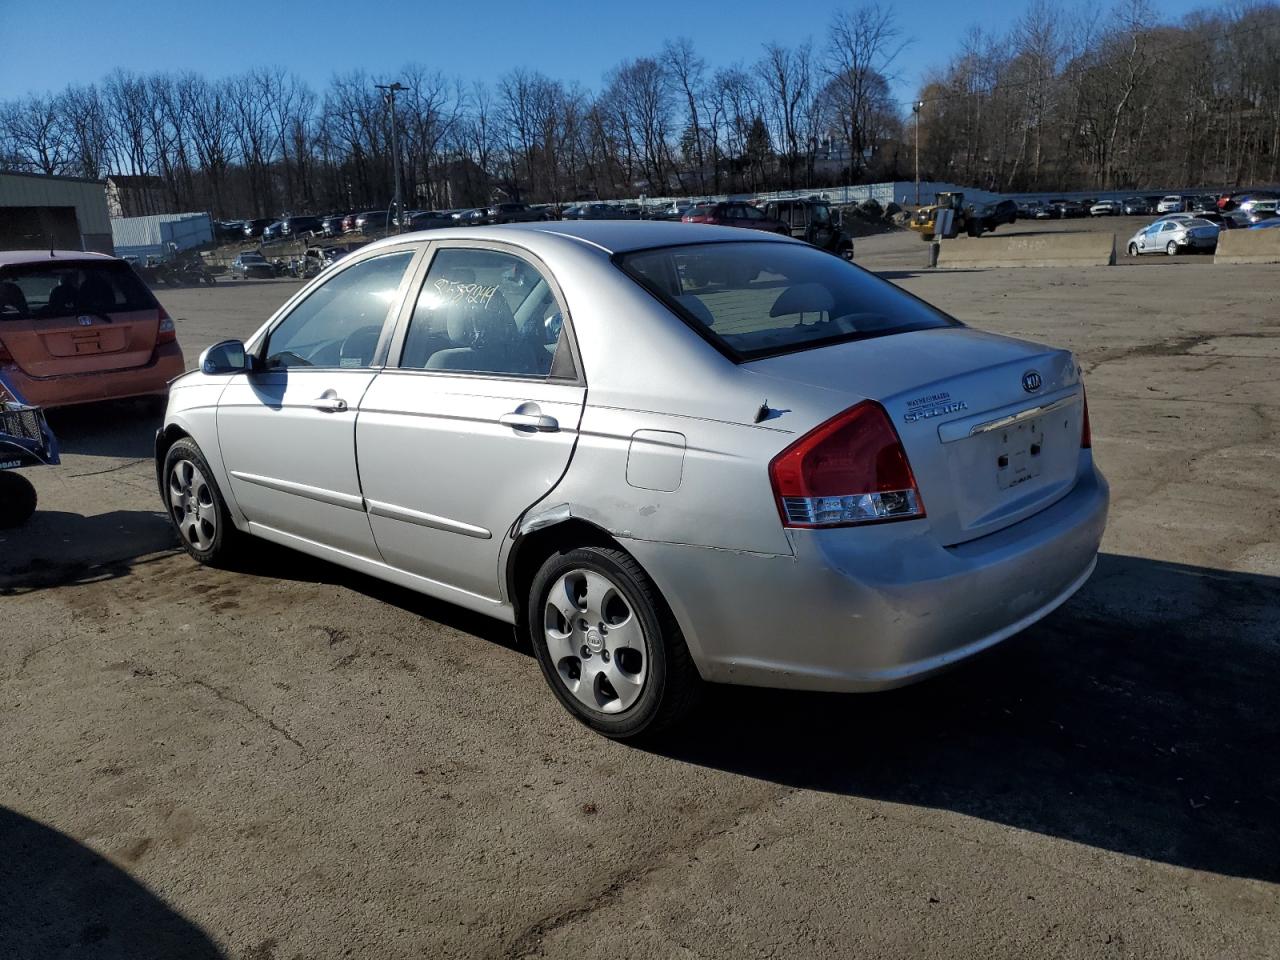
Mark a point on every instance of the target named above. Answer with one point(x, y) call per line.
point(340, 321)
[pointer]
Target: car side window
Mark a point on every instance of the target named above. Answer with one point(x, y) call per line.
point(341, 320)
point(749, 213)
point(488, 312)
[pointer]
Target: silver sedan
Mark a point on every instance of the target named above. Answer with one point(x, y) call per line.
point(1176, 234)
point(669, 455)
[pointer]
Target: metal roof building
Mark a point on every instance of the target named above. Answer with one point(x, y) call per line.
point(38, 211)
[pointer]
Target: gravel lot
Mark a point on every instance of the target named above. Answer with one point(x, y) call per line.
point(293, 761)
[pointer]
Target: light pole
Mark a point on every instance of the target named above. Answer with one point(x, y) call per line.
point(391, 90)
point(915, 108)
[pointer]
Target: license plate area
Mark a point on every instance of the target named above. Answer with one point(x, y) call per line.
point(1018, 452)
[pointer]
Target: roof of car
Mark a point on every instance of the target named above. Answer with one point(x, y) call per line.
point(609, 236)
point(10, 257)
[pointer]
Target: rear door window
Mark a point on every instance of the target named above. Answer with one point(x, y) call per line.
point(488, 312)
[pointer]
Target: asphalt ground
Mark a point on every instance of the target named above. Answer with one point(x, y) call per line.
point(293, 761)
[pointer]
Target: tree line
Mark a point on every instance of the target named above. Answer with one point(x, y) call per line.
point(1059, 100)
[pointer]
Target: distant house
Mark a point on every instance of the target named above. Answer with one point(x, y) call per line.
point(131, 195)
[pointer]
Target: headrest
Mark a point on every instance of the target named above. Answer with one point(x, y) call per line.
point(11, 296)
point(803, 298)
point(95, 294)
point(701, 312)
point(62, 297)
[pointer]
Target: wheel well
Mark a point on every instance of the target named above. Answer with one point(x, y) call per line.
point(533, 549)
point(165, 439)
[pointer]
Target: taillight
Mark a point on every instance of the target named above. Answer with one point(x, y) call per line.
point(1086, 434)
point(166, 332)
point(850, 470)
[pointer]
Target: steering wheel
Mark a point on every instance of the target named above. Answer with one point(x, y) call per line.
point(360, 345)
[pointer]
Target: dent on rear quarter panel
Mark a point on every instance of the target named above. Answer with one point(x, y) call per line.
point(723, 498)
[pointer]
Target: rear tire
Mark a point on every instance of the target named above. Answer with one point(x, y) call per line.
point(17, 500)
point(1171, 249)
point(196, 507)
point(608, 645)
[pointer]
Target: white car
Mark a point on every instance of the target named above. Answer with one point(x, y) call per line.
point(1106, 208)
point(1174, 235)
point(1171, 204)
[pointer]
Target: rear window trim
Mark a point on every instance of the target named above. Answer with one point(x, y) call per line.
point(737, 356)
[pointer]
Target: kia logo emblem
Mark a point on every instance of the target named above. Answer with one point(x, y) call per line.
point(1031, 381)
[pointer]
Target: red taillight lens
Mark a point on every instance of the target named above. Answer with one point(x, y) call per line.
point(850, 470)
point(1086, 434)
point(166, 332)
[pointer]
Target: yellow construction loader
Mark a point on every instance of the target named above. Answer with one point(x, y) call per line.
point(946, 219)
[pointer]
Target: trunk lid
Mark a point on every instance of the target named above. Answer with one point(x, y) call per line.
point(987, 450)
point(64, 318)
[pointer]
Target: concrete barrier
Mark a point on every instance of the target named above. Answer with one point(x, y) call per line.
point(1248, 246)
point(1041, 250)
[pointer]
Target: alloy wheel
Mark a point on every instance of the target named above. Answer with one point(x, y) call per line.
point(192, 506)
point(596, 641)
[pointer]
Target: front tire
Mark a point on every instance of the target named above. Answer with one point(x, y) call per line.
point(17, 500)
point(196, 507)
point(608, 645)
point(1133, 249)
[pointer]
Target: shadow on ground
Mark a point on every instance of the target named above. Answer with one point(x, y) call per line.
point(56, 548)
point(1140, 718)
point(122, 428)
point(59, 898)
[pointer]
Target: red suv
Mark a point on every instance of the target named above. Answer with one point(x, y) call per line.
point(734, 213)
point(78, 327)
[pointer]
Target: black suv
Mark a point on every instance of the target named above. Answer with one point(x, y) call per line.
point(994, 214)
point(814, 222)
point(507, 213)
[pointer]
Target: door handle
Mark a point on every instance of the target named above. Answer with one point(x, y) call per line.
point(330, 404)
point(530, 421)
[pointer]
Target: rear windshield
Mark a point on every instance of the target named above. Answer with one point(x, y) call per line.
point(59, 289)
point(755, 300)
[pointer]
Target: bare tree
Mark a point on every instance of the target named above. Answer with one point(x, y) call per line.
point(861, 47)
point(687, 71)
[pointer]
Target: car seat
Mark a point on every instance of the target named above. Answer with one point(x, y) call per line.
point(12, 299)
point(62, 300)
point(95, 295)
point(484, 339)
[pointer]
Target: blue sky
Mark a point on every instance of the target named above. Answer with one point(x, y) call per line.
point(55, 42)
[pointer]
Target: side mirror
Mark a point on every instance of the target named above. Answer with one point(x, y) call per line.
point(229, 356)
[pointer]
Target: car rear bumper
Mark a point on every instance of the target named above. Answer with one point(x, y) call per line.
point(149, 380)
point(877, 607)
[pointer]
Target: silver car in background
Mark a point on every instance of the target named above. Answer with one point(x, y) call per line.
point(669, 455)
point(1174, 235)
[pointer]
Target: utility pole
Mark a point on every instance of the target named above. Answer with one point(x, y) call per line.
point(915, 108)
point(390, 92)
